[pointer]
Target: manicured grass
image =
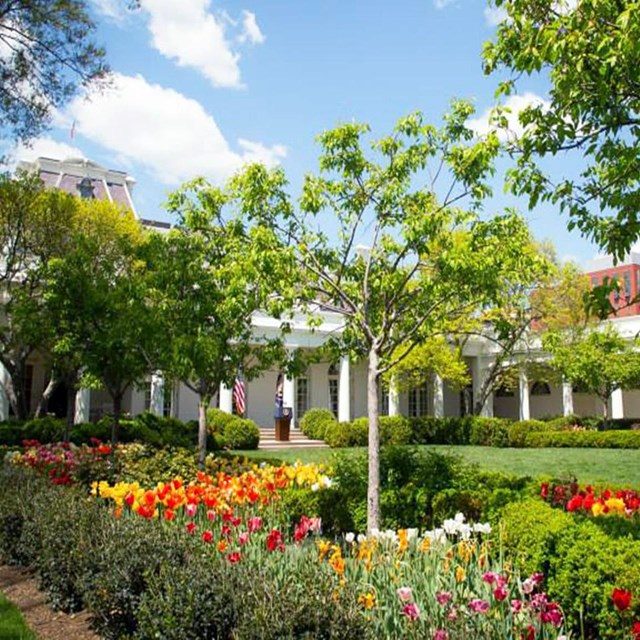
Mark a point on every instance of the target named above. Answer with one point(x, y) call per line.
point(12, 624)
point(613, 466)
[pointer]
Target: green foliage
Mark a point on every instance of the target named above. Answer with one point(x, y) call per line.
point(315, 421)
point(148, 466)
point(395, 430)
point(191, 601)
point(590, 439)
point(491, 432)
point(590, 56)
point(217, 420)
point(12, 624)
point(52, 53)
point(518, 431)
point(582, 564)
point(241, 433)
point(597, 360)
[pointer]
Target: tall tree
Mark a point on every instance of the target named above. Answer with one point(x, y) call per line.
point(35, 228)
point(46, 52)
point(425, 262)
point(97, 303)
point(589, 53)
point(212, 273)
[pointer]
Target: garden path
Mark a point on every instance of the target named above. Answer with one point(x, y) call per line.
point(21, 588)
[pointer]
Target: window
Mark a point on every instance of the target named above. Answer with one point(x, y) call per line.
point(334, 381)
point(168, 400)
point(419, 401)
point(540, 389)
point(302, 397)
point(594, 281)
point(627, 285)
point(383, 400)
point(503, 392)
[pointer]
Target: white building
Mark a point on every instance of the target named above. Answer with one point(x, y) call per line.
point(339, 386)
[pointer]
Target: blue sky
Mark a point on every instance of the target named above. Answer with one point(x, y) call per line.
point(202, 86)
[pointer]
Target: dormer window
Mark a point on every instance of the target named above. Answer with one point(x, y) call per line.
point(85, 187)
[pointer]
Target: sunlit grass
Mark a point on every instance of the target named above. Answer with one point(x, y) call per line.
point(12, 624)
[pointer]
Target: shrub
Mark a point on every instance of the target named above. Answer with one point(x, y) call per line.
point(490, 432)
point(148, 466)
point(395, 430)
point(191, 601)
point(582, 563)
point(217, 420)
point(46, 429)
point(431, 430)
point(348, 434)
point(591, 439)
point(241, 433)
point(518, 431)
point(314, 423)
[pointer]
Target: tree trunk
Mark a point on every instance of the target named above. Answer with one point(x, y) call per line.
point(203, 403)
point(71, 411)
point(117, 412)
point(54, 381)
point(373, 489)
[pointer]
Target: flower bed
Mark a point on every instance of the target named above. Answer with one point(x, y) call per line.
point(588, 501)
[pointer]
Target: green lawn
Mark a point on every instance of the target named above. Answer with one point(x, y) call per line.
point(12, 624)
point(613, 466)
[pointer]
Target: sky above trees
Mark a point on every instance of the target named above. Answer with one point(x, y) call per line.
point(201, 87)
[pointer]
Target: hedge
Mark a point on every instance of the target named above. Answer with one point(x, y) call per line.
point(590, 439)
point(140, 580)
point(581, 562)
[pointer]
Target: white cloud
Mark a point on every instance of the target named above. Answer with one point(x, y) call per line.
point(493, 16)
point(114, 10)
point(515, 103)
point(441, 4)
point(46, 147)
point(250, 29)
point(163, 131)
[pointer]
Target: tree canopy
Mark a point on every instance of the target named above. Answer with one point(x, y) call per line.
point(408, 261)
point(47, 52)
point(589, 52)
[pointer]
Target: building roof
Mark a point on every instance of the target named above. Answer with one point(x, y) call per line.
point(81, 177)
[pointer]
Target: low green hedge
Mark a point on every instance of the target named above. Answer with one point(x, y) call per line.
point(315, 422)
point(241, 433)
point(582, 565)
point(586, 439)
point(570, 431)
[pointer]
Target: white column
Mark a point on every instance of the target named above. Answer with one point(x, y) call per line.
point(156, 401)
point(344, 391)
point(83, 403)
point(523, 388)
point(289, 397)
point(567, 398)
point(226, 398)
point(479, 373)
point(617, 404)
point(4, 400)
point(394, 398)
point(438, 396)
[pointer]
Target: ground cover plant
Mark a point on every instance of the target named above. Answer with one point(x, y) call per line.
point(12, 624)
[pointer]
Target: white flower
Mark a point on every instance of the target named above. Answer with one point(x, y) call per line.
point(350, 537)
point(412, 533)
point(451, 527)
point(195, 287)
point(459, 517)
point(315, 486)
point(326, 482)
point(480, 527)
point(465, 531)
point(361, 538)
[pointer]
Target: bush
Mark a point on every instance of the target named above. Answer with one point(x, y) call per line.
point(590, 439)
point(348, 434)
point(431, 430)
point(489, 432)
point(582, 565)
point(241, 433)
point(518, 431)
point(314, 423)
point(395, 430)
point(46, 429)
point(217, 420)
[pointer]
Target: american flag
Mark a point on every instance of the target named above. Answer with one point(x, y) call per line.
point(239, 394)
